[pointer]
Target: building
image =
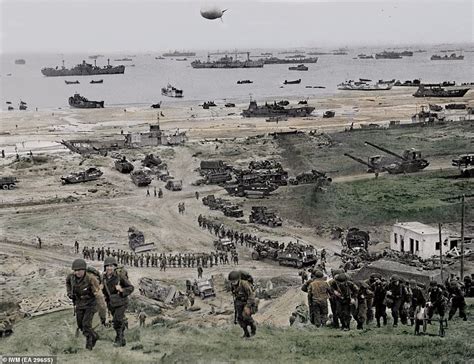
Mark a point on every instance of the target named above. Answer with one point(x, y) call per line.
point(154, 137)
point(419, 239)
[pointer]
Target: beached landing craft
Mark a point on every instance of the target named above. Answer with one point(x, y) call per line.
point(300, 67)
point(81, 102)
point(438, 91)
point(171, 91)
point(363, 85)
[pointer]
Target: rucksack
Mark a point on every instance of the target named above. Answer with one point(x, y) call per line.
point(95, 272)
point(246, 276)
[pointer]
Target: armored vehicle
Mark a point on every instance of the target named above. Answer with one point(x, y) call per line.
point(90, 174)
point(123, 166)
point(262, 251)
point(8, 183)
point(297, 255)
point(136, 241)
point(261, 215)
point(140, 178)
point(151, 161)
point(311, 177)
point(465, 163)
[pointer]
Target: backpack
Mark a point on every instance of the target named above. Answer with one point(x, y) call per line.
point(246, 277)
point(94, 272)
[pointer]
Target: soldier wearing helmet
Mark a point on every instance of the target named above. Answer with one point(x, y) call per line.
point(117, 288)
point(417, 299)
point(84, 290)
point(343, 291)
point(244, 302)
point(318, 295)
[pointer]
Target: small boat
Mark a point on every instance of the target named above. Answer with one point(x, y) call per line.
point(123, 60)
point(295, 82)
point(303, 102)
point(98, 81)
point(208, 104)
point(20, 61)
point(276, 119)
point(300, 67)
point(241, 82)
point(81, 102)
point(171, 91)
point(434, 107)
point(181, 59)
point(230, 104)
point(156, 106)
point(452, 57)
point(72, 82)
point(160, 57)
point(22, 105)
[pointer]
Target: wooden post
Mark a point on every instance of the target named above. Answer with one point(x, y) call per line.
point(462, 238)
point(440, 253)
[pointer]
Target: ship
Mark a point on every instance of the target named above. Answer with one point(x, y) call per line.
point(437, 91)
point(363, 85)
point(171, 91)
point(275, 60)
point(242, 82)
point(72, 82)
point(365, 56)
point(294, 82)
point(227, 62)
point(317, 53)
point(83, 69)
point(81, 102)
point(97, 81)
point(179, 54)
point(269, 110)
point(451, 57)
point(20, 61)
point(300, 67)
point(123, 60)
point(388, 55)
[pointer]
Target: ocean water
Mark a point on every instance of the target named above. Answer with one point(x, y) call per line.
point(141, 85)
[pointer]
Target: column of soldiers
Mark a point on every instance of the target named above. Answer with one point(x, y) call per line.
point(358, 299)
point(162, 261)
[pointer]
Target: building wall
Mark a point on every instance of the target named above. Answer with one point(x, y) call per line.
point(422, 245)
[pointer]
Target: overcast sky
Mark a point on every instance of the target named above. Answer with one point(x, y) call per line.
point(145, 25)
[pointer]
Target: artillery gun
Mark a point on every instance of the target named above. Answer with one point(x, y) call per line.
point(261, 215)
point(224, 244)
point(409, 161)
point(123, 166)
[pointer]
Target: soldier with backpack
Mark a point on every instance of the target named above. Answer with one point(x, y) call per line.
point(83, 288)
point(245, 304)
point(117, 288)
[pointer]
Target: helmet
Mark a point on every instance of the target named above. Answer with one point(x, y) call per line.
point(318, 274)
point(79, 264)
point(335, 272)
point(234, 275)
point(342, 277)
point(394, 278)
point(412, 282)
point(110, 261)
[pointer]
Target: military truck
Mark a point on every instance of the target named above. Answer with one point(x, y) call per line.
point(174, 185)
point(136, 241)
point(232, 211)
point(314, 176)
point(357, 239)
point(260, 215)
point(224, 244)
point(151, 161)
point(90, 174)
point(8, 183)
point(204, 288)
point(140, 178)
point(465, 163)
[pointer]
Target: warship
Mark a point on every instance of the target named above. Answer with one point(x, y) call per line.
point(171, 91)
point(269, 110)
point(179, 54)
point(83, 69)
point(227, 62)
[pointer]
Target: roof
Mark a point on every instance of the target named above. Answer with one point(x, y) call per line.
point(419, 228)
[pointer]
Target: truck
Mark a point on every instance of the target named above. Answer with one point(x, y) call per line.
point(261, 215)
point(8, 183)
point(204, 288)
point(174, 185)
point(224, 244)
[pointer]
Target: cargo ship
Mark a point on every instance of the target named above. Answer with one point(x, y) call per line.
point(437, 91)
point(227, 62)
point(83, 69)
point(269, 110)
point(179, 54)
point(275, 60)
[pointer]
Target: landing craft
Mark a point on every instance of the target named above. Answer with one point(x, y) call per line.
point(212, 13)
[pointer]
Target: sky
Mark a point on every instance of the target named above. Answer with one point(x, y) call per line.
point(69, 26)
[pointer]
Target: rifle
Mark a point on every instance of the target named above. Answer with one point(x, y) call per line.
point(71, 281)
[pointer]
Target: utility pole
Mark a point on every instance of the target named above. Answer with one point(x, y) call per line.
point(462, 238)
point(440, 253)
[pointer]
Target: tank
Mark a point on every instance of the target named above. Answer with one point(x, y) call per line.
point(297, 255)
point(90, 174)
point(123, 166)
point(140, 178)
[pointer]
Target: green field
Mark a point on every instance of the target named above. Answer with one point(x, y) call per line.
point(177, 343)
point(413, 197)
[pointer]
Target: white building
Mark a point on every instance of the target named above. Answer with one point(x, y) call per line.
point(419, 239)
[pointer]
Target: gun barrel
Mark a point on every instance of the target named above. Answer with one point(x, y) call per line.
point(385, 150)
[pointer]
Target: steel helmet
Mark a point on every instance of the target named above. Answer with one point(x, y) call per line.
point(79, 264)
point(342, 277)
point(234, 275)
point(395, 278)
point(110, 261)
point(317, 274)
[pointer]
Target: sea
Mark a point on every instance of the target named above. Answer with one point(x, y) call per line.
point(145, 75)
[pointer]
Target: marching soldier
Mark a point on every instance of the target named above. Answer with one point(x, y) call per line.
point(244, 303)
point(117, 288)
point(84, 290)
point(318, 295)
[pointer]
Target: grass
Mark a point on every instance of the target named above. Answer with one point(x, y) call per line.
point(54, 335)
point(379, 201)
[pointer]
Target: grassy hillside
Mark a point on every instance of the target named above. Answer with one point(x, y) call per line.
point(177, 343)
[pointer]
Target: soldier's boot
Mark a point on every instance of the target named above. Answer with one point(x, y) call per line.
point(118, 337)
point(253, 329)
point(94, 339)
point(246, 331)
point(123, 342)
point(360, 325)
point(395, 321)
point(385, 320)
point(412, 322)
point(378, 321)
point(89, 345)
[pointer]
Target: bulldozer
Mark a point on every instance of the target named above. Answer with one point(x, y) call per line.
point(409, 161)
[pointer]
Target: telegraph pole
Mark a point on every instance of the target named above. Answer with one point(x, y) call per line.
point(441, 253)
point(462, 237)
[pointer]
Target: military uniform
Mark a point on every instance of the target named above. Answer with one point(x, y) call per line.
point(318, 294)
point(244, 305)
point(457, 301)
point(84, 292)
point(117, 302)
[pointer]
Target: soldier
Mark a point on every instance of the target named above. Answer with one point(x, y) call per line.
point(303, 275)
point(379, 288)
point(199, 271)
point(457, 300)
point(396, 296)
point(116, 289)
point(197, 195)
point(417, 300)
point(76, 247)
point(84, 290)
point(244, 302)
point(160, 193)
point(333, 300)
point(361, 312)
point(154, 191)
point(323, 255)
point(318, 294)
point(343, 291)
point(142, 318)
